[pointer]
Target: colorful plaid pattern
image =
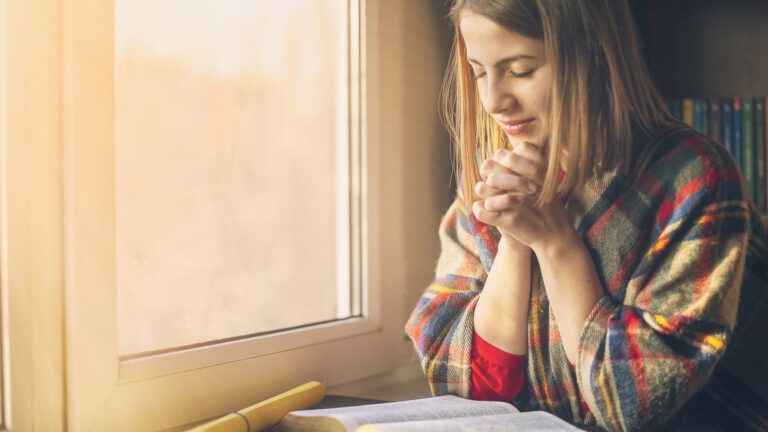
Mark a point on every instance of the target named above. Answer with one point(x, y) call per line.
point(680, 254)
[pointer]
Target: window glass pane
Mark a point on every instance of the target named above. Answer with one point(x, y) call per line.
point(227, 170)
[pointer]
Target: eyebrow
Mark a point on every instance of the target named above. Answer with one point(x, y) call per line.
point(506, 60)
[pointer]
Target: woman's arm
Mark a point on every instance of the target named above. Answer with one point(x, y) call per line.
point(570, 279)
point(501, 314)
point(569, 274)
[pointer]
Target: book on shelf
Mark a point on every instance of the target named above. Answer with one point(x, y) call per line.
point(443, 413)
point(704, 116)
point(697, 123)
point(727, 124)
point(688, 114)
point(760, 154)
point(714, 120)
point(748, 145)
point(700, 115)
point(737, 131)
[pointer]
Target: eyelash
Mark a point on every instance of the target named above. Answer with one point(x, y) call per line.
point(514, 75)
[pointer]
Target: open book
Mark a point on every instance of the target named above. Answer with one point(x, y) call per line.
point(444, 413)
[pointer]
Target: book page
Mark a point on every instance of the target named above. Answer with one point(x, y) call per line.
point(417, 409)
point(535, 421)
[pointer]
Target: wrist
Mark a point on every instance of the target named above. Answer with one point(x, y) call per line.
point(558, 245)
point(512, 244)
point(561, 237)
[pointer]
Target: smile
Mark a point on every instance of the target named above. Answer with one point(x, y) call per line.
point(516, 127)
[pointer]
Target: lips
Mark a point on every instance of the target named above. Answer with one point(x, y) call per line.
point(516, 127)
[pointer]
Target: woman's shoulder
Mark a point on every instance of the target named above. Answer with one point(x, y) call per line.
point(686, 147)
point(686, 159)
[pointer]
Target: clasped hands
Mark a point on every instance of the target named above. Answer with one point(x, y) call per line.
point(507, 191)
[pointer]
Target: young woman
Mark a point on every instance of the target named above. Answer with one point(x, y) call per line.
point(599, 255)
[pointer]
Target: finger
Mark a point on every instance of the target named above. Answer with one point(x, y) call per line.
point(510, 182)
point(519, 163)
point(534, 154)
point(508, 220)
point(490, 166)
point(530, 151)
point(525, 160)
point(482, 214)
point(483, 190)
point(502, 202)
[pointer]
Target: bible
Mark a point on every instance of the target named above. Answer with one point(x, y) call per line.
point(443, 413)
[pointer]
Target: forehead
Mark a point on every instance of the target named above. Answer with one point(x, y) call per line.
point(487, 40)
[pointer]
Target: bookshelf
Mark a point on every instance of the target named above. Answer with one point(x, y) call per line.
point(706, 49)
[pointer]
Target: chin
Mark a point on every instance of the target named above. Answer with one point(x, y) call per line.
point(514, 140)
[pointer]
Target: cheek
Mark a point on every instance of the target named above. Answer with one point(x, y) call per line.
point(544, 89)
point(538, 90)
point(544, 106)
point(537, 99)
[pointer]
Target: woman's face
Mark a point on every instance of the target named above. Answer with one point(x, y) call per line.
point(513, 77)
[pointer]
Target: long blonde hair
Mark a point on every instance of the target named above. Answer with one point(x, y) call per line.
point(601, 100)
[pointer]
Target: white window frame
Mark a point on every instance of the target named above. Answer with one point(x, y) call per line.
point(30, 214)
point(348, 251)
point(61, 369)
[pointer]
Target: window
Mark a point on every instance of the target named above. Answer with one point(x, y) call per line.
point(74, 211)
point(232, 169)
point(135, 160)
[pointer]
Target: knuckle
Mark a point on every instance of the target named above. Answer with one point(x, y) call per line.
point(509, 159)
point(477, 209)
point(485, 166)
point(500, 181)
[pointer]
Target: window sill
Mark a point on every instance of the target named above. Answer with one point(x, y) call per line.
point(403, 383)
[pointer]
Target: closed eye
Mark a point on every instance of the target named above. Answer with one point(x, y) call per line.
point(521, 74)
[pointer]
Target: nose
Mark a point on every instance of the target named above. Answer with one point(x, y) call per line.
point(497, 98)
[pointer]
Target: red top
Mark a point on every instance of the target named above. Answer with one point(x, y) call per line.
point(498, 375)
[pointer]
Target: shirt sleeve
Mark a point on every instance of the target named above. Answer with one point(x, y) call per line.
point(583, 403)
point(496, 374)
point(441, 324)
